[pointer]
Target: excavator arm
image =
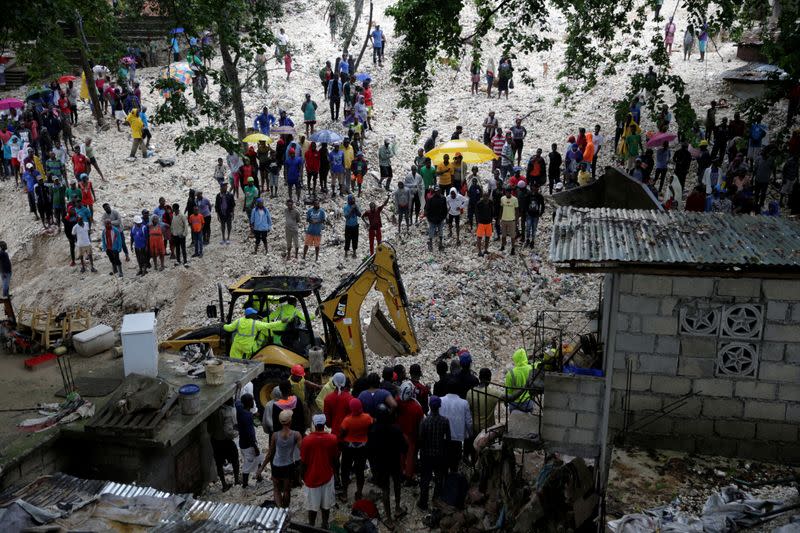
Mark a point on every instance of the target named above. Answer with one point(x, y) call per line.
point(341, 312)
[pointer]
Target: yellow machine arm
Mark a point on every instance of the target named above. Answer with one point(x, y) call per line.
point(341, 313)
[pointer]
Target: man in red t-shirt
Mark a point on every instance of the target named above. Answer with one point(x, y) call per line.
point(319, 453)
point(373, 218)
point(79, 163)
point(336, 404)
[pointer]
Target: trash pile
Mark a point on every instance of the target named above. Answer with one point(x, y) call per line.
point(53, 414)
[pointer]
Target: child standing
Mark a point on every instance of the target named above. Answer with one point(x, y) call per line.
point(287, 64)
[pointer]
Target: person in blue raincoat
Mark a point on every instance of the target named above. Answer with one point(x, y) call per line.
point(264, 121)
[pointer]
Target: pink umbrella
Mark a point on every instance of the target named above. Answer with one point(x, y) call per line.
point(659, 138)
point(10, 103)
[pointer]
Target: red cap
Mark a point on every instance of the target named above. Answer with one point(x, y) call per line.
point(298, 370)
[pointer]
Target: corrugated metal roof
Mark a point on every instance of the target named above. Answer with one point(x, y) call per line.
point(63, 493)
point(602, 238)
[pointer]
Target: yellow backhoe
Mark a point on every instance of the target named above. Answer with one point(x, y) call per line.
point(341, 345)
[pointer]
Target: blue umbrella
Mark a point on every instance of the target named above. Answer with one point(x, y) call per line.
point(326, 136)
point(363, 76)
point(176, 30)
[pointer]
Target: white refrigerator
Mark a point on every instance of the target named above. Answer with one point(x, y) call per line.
point(140, 344)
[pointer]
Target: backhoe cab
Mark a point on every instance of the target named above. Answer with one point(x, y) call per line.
point(339, 340)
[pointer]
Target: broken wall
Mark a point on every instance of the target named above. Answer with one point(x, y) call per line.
point(733, 345)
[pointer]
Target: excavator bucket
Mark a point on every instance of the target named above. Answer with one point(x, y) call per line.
point(382, 337)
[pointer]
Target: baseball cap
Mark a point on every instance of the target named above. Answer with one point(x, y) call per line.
point(298, 370)
point(435, 401)
point(250, 311)
point(137, 219)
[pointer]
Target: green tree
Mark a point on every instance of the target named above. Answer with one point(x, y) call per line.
point(241, 29)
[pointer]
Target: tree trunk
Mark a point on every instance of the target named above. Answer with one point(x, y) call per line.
point(236, 88)
point(356, 17)
point(366, 40)
point(97, 109)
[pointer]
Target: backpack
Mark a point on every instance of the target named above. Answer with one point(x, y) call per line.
point(758, 132)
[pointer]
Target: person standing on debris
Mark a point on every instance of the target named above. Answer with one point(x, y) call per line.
point(386, 447)
point(177, 229)
point(464, 380)
point(316, 219)
point(353, 432)
point(291, 219)
point(402, 201)
point(336, 164)
point(534, 213)
point(484, 213)
point(137, 132)
point(508, 219)
point(284, 446)
point(197, 223)
point(225, 205)
point(309, 109)
point(517, 379)
point(352, 217)
point(434, 447)
point(455, 207)
point(247, 437)
point(375, 396)
point(373, 218)
point(435, 212)
point(385, 154)
point(204, 206)
point(422, 392)
point(378, 41)
point(409, 417)
point(246, 331)
point(261, 222)
point(457, 412)
point(5, 268)
point(222, 431)
point(155, 243)
point(81, 233)
point(319, 453)
point(111, 241)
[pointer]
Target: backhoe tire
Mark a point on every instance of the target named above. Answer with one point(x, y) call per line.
point(266, 381)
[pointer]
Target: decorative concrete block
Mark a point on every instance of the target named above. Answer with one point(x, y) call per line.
point(714, 387)
point(697, 287)
point(765, 410)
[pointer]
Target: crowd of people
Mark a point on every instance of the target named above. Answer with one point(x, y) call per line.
point(404, 431)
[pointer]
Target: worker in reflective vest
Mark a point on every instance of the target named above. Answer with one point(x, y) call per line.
point(285, 312)
point(246, 332)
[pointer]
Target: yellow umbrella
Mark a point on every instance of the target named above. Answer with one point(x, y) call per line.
point(471, 150)
point(256, 137)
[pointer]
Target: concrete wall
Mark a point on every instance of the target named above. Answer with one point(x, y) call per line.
point(572, 410)
point(734, 342)
point(40, 460)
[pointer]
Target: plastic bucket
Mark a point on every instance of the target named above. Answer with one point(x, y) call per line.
point(189, 398)
point(215, 372)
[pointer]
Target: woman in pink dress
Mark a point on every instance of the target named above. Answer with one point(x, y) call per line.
point(669, 35)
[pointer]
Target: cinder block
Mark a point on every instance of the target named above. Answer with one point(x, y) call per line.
point(789, 392)
point(671, 385)
point(639, 382)
point(658, 364)
point(621, 360)
point(651, 424)
point(639, 304)
point(627, 342)
point(555, 400)
point(697, 287)
point(698, 346)
point(763, 451)
point(635, 325)
point(793, 413)
point(660, 325)
point(735, 429)
point(666, 442)
point(719, 408)
point(795, 314)
point(782, 332)
point(645, 402)
point(668, 304)
point(716, 446)
point(582, 436)
point(755, 389)
point(625, 283)
point(591, 386)
point(772, 351)
point(554, 433)
point(588, 421)
point(765, 410)
point(560, 383)
point(777, 311)
point(558, 417)
point(776, 431)
point(689, 408)
point(623, 322)
point(783, 372)
point(668, 344)
point(695, 367)
point(714, 387)
point(739, 287)
point(591, 404)
point(793, 353)
point(693, 426)
point(789, 453)
point(775, 289)
point(652, 285)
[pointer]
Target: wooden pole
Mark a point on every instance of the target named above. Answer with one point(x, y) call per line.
point(366, 40)
point(83, 47)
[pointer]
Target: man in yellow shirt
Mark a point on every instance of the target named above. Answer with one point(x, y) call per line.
point(508, 219)
point(349, 155)
point(246, 331)
point(445, 172)
point(137, 127)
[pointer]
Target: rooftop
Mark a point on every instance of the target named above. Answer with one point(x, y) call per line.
point(605, 239)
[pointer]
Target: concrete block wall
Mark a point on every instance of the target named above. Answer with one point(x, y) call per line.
point(756, 416)
point(572, 411)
